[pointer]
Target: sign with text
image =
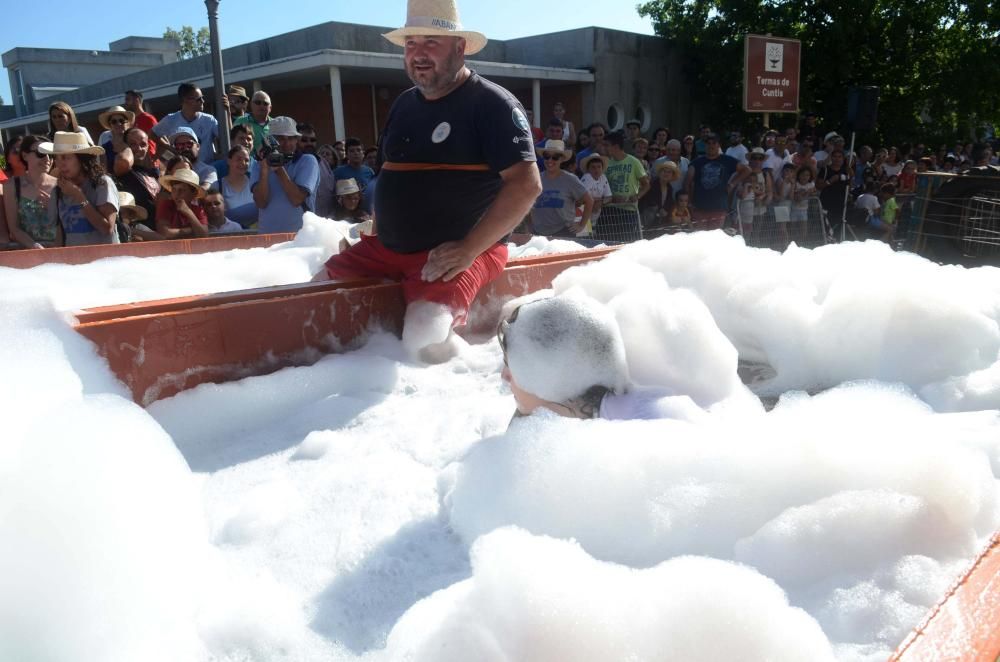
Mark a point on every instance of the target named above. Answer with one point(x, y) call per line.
point(771, 74)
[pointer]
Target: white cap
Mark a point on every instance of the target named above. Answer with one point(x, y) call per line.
point(282, 126)
point(559, 347)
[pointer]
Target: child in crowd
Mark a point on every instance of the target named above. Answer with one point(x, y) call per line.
point(784, 189)
point(755, 191)
point(908, 177)
point(681, 213)
point(596, 183)
point(887, 196)
point(135, 218)
point(869, 202)
point(805, 189)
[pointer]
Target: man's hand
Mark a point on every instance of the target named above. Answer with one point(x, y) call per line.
point(447, 261)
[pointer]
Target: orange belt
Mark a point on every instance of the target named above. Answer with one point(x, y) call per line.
point(405, 167)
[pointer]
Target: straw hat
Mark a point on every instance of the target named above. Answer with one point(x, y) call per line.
point(184, 176)
point(70, 142)
point(115, 110)
point(237, 91)
point(127, 201)
point(555, 146)
point(347, 186)
point(585, 161)
point(435, 17)
point(668, 165)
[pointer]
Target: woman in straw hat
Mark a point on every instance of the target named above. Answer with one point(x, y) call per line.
point(26, 199)
point(86, 199)
point(554, 213)
point(657, 204)
point(181, 215)
point(117, 120)
point(62, 118)
point(348, 206)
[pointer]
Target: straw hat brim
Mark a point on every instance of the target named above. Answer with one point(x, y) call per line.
point(167, 181)
point(474, 41)
point(140, 212)
point(668, 165)
point(585, 161)
point(108, 114)
point(567, 153)
point(53, 149)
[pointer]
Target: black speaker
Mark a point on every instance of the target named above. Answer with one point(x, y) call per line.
point(862, 108)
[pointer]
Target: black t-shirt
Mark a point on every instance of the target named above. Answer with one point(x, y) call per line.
point(441, 162)
point(832, 196)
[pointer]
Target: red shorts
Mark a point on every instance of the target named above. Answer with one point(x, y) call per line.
point(370, 259)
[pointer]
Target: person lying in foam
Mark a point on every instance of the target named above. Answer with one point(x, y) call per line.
point(565, 354)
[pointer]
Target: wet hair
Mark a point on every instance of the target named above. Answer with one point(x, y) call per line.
point(176, 161)
point(27, 143)
point(7, 149)
point(588, 403)
point(616, 138)
point(65, 108)
point(185, 89)
point(237, 130)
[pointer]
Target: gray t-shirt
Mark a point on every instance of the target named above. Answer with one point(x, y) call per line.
point(555, 208)
point(76, 228)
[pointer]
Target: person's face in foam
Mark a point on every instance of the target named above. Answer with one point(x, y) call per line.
point(526, 402)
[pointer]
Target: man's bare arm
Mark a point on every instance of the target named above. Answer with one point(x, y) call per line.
point(521, 186)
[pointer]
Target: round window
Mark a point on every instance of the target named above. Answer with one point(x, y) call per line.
point(616, 117)
point(645, 118)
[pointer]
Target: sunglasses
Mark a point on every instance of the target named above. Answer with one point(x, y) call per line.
point(181, 144)
point(38, 154)
point(258, 102)
point(117, 120)
point(551, 157)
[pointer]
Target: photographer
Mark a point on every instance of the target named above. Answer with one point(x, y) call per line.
point(284, 186)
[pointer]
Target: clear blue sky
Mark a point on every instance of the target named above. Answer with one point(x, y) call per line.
point(248, 20)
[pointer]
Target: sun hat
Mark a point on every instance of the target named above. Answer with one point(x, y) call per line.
point(758, 152)
point(282, 126)
point(184, 131)
point(435, 17)
point(347, 186)
point(115, 110)
point(127, 201)
point(830, 136)
point(555, 146)
point(70, 142)
point(237, 91)
point(585, 161)
point(668, 165)
point(184, 176)
point(559, 347)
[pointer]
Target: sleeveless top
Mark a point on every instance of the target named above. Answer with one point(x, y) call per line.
point(33, 217)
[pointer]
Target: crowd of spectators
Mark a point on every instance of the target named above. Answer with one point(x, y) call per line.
point(65, 189)
point(146, 179)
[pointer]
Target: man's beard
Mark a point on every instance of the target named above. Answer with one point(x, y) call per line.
point(439, 78)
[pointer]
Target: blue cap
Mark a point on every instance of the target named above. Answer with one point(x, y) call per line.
point(184, 131)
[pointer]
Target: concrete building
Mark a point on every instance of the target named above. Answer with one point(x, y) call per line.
point(343, 78)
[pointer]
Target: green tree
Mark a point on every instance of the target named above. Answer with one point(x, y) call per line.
point(933, 60)
point(193, 43)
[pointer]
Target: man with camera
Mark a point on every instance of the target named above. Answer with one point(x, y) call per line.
point(284, 186)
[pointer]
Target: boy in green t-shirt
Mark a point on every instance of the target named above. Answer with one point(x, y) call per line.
point(629, 181)
point(886, 220)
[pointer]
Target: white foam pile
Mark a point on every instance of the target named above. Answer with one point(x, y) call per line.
point(368, 508)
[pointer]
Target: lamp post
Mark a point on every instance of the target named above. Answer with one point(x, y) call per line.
point(221, 113)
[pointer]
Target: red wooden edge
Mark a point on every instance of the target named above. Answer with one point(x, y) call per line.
point(965, 625)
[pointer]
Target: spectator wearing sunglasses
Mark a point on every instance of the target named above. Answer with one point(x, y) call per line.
point(554, 212)
point(26, 199)
point(117, 121)
point(204, 126)
point(258, 119)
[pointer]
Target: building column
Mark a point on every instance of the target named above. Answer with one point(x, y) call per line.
point(337, 100)
point(536, 101)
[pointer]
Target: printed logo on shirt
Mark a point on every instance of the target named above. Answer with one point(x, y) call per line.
point(441, 133)
point(520, 121)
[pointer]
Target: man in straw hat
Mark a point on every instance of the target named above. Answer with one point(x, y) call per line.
point(458, 175)
point(238, 101)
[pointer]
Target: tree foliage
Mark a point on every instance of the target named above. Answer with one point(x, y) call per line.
point(934, 61)
point(193, 43)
